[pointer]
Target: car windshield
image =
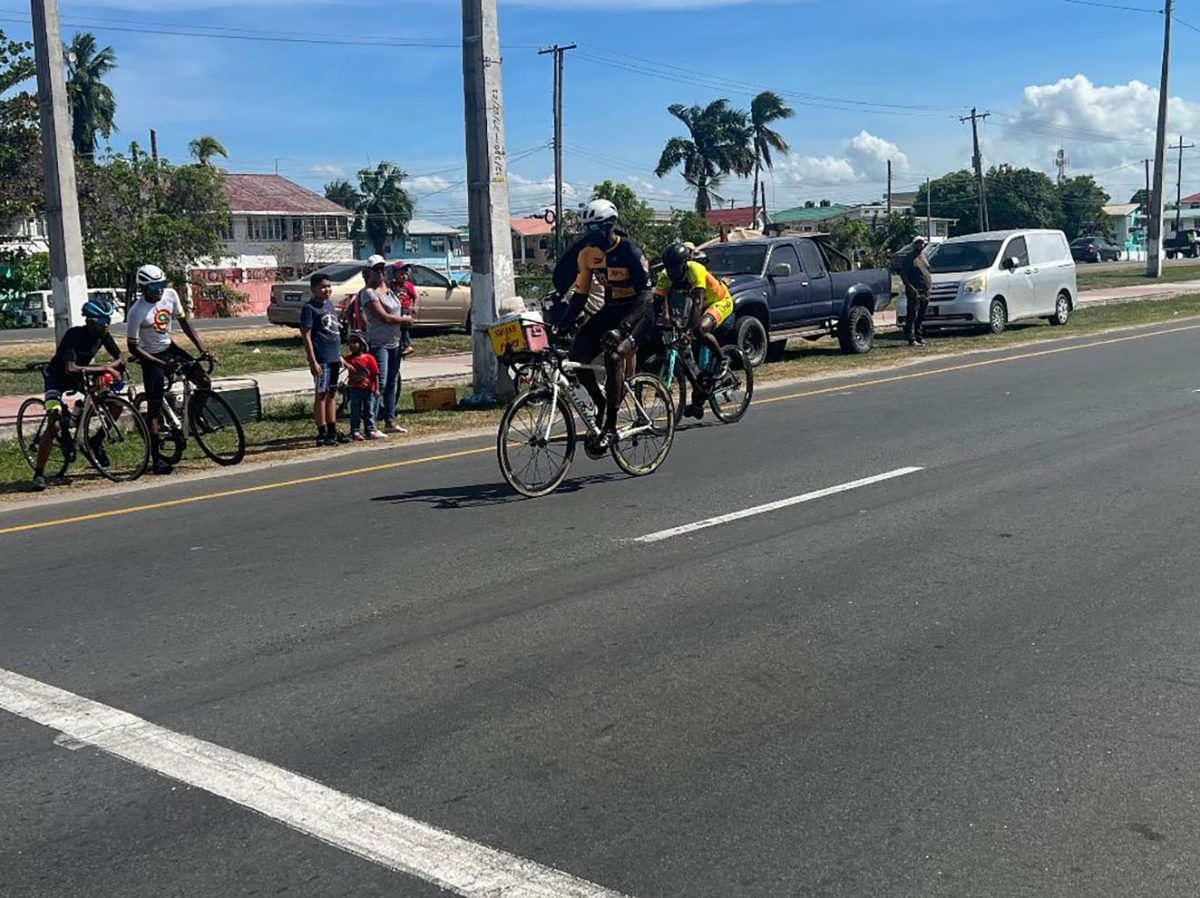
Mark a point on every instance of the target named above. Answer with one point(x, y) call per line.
point(341, 272)
point(730, 258)
point(970, 255)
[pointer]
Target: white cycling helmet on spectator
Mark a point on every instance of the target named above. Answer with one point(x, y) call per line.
point(598, 213)
point(149, 275)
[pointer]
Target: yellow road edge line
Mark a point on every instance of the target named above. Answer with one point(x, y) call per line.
point(244, 491)
point(389, 466)
point(967, 366)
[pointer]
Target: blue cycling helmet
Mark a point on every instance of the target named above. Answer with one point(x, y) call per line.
point(98, 310)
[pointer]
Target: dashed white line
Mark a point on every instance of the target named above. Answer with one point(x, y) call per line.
point(661, 535)
point(351, 824)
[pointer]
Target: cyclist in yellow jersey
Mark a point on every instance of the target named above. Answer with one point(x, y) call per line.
point(713, 302)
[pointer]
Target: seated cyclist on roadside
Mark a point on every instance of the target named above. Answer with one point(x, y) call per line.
point(148, 331)
point(619, 265)
point(65, 374)
point(711, 298)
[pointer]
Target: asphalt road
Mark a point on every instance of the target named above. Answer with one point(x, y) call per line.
point(979, 679)
point(42, 334)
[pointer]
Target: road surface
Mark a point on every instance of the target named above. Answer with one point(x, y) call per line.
point(44, 334)
point(976, 678)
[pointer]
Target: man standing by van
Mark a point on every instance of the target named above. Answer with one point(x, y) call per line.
point(913, 269)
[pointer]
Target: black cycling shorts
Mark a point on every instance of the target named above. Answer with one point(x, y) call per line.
point(633, 318)
point(154, 377)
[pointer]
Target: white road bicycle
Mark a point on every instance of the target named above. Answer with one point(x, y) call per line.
point(538, 434)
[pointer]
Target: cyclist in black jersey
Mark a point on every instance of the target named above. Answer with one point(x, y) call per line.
point(617, 264)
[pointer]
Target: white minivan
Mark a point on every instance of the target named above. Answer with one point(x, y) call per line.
point(996, 277)
point(38, 310)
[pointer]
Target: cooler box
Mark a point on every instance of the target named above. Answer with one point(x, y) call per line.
point(434, 399)
point(525, 332)
point(242, 395)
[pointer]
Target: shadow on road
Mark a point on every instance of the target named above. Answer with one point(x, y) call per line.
point(482, 495)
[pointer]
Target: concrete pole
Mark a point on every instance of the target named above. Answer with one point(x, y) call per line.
point(68, 278)
point(1154, 237)
point(487, 179)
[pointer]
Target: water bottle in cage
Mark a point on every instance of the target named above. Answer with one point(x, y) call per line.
point(583, 401)
point(705, 358)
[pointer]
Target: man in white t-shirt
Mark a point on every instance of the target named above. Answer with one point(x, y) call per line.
point(148, 326)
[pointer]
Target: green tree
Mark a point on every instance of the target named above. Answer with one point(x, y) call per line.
point(953, 196)
point(1140, 198)
point(384, 207)
point(203, 149)
point(635, 214)
point(22, 272)
point(639, 220)
point(719, 144)
point(766, 109)
point(135, 212)
point(343, 193)
point(91, 101)
point(1022, 198)
point(1083, 202)
point(20, 141)
point(873, 243)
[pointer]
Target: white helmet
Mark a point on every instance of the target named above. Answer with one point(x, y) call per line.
point(598, 212)
point(150, 274)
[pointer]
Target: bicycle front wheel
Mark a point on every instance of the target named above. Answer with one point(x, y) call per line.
point(677, 380)
point(32, 421)
point(536, 443)
point(217, 428)
point(116, 440)
point(645, 426)
point(732, 396)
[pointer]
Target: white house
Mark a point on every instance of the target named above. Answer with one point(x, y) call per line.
point(28, 236)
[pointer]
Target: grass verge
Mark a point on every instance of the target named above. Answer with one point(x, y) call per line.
point(287, 430)
point(1135, 276)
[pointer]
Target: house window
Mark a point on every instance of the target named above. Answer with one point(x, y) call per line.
point(437, 244)
point(940, 229)
point(266, 227)
point(227, 234)
point(412, 245)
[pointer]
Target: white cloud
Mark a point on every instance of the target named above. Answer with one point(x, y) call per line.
point(863, 159)
point(869, 155)
point(1100, 126)
point(327, 171)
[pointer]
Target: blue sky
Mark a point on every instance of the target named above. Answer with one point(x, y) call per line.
point(1049, 71)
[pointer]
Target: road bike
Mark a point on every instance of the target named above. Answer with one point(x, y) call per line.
point(210, 420)
point(538, 433)
point(728, 387)
point(102, 426)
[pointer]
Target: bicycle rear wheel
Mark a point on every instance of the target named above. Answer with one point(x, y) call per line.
point(645, 426)
point(31, 424)
point(171, 441)
point(732, 396)
point(216, 427)
point(116, 440)
point(536, 443)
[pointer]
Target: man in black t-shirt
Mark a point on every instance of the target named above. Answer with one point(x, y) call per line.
point(65, 374)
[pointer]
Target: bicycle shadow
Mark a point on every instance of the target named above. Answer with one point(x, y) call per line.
point(484, 495)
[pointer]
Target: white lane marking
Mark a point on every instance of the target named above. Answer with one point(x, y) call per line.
point(772, 506)
point(351, 824)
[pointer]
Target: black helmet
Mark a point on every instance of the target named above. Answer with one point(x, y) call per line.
point(675, 259)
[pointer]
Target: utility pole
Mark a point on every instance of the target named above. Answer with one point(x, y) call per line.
point(928, 211)
point(68, 277)
point(981, 187)
point(1154, 236)
point(1179, 180)
point(889, 190)
point(487, 186)
point(559, 53)
point(1061, 162)
point(154, 146)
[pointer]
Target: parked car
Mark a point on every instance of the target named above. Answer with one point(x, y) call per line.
point(1095, 249)
point(38, 308)
point(797, 287)
point(993, 278)
point(1183, 243)
point(441, 303)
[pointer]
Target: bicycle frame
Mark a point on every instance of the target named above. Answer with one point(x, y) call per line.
point(76, 437)
point(562, 383)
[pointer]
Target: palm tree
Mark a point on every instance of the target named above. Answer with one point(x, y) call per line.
point(204, 148)
point(384, 207)
point(719, 145)
point(343, 193)
point(766, 109)
point(91, 101)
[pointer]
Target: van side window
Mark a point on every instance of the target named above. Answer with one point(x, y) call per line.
point(1016, 247)
point(1048, 249)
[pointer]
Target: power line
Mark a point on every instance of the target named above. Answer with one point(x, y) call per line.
point(1113, 6)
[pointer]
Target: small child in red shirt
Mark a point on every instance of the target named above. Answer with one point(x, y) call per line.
point(364, 387)
point(407, 294)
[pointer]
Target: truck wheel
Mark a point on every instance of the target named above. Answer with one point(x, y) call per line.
point(856, 332)
point(752, 340)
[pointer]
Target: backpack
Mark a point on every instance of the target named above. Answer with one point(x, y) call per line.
point(353, 315)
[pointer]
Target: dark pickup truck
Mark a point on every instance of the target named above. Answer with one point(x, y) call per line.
point(798, 287)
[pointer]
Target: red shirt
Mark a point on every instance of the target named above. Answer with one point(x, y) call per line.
point(407, 294)
point(364, 372)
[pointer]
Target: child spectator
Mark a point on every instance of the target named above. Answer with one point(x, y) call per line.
point(407, 294)
point(322, 336)
point(364, 387)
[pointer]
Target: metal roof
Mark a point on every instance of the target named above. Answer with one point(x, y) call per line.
point(815, 213)
point(274, 194)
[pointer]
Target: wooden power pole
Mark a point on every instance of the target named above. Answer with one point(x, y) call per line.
point(558, 52)
point(1154, 236)
point(980, 185)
